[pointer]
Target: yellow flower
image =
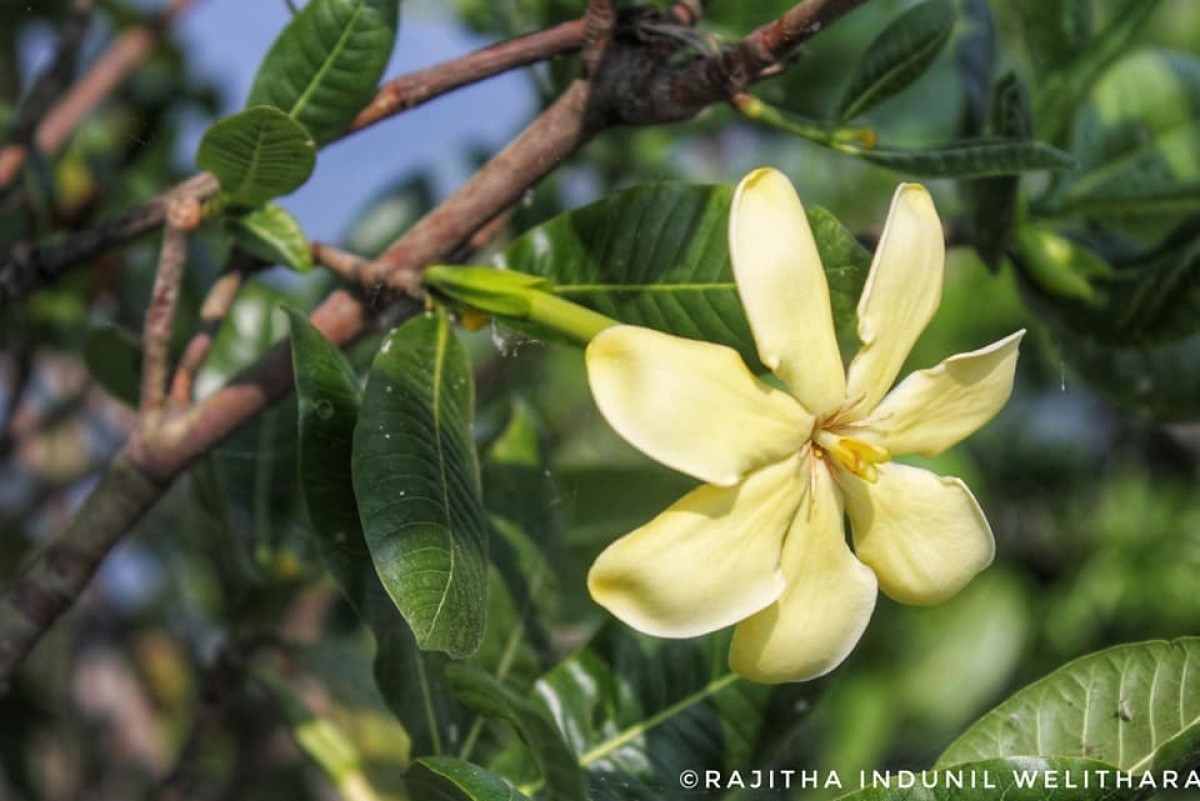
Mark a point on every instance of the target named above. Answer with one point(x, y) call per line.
point(762, 544)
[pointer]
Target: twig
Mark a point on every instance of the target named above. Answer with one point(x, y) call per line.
point(126, 53)
point(46, 90)
point(599, 23)
point(216, 305)
point(152, 459)
point(182, 218)
point(346, 266)
point(413, 89)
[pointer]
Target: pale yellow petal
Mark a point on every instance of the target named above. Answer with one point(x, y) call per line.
point(783, 288)
point(923, 535)
point(705, 563)
point(902, 292)
point(824, 609)
point(692, 405)
point(931, 410)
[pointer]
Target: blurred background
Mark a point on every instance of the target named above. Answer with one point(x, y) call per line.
point(1090, 487)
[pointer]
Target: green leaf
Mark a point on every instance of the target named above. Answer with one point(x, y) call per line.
point(416, 477)
point(273, 235)
point(329, 398)
point(898, 56)
point(642, 711)
point(448, 779)
point(975, 54)
point(114, 358)
point(1056, 32)
point(1012, 779)
point(1133, 706)
point(564, 781)
point(1060, 92)
point(325, 66)
point(971, 158)
point(657, 255)
point(257, 154)
point(993, 201)
point(1136, 138)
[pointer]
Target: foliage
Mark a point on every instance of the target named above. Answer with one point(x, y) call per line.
point(390, 569)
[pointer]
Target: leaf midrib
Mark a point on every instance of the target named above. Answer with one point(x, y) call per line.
point(439, 360)
point(302, 101)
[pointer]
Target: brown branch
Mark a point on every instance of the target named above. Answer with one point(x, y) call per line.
point(346, 266)
point(182, 219)
point(153, 458)
point(46, 90)
point(599, 24)
point(216, 305)
point(409, 91)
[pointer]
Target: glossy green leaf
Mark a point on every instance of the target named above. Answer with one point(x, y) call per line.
point(273, 235)
point(972, 158)
point(257, 154)
point(1136, 138)
point(1013, 779)
point(1133, 706)
point(657, 255)
point(329, 398)
point(641, 711)
point(325, 66)
point(448, 779)
point(898, 56)
point(114, 358)
point(416, 478)
point(1060, 91)
point(562, 777)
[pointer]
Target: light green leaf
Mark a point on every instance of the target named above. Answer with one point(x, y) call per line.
point(416, 477)
point(447, 779)
point(329, 398)
point(1137, 141)
point(273, 235)
point(1133, 706)
point(1012, 779)
point(564, 781)
point(971, 158)
point(1060, 91)
point(257, 154)
point(325, 66)
point(114, 358)
point(898, 56)
point(657, 255)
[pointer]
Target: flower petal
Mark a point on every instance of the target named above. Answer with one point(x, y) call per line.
point(828, 601)
point(782, 285)
point(901, 294)
point(923, 535)
point(705, 563)
point(931, 410)
point(692, 405)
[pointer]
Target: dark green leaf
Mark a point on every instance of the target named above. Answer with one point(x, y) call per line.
point(976, 55)
point(564, 781)
point(993, 201)
point(899, 56)
point(114, 358)
point(447, 779)
point(1136, 138)
point(1020, 778)
point(1060, 92)
point(657, 255)
point(1056, 31)
point(1133, 706)
point(416, 477)
point(325, 66)
point(972, 158)
point(329, 397)
point(257, 154)
point(273, 235)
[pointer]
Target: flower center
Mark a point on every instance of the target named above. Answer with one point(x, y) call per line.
point(854, 455)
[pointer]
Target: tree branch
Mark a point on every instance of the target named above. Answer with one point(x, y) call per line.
point(216, 305)
point(182, 219)
point(599, 23)
point(153, 458)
